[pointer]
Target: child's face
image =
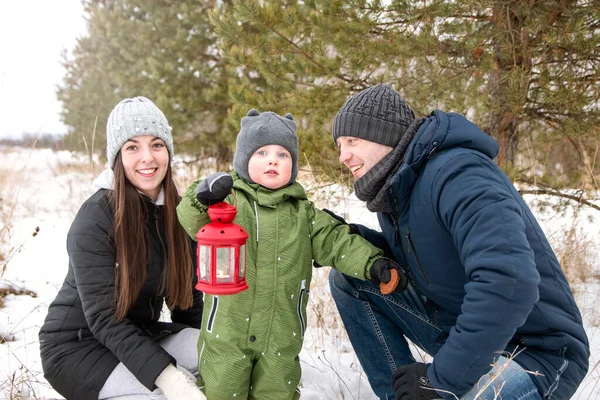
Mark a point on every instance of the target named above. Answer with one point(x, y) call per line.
point(271, 166)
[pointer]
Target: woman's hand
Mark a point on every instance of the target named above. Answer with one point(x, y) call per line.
point(176, 385)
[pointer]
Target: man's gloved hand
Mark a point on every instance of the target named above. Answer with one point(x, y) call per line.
point(381, 272)
point(353, 228)
point(176, 385)
point(214, 188)
point(410, 382)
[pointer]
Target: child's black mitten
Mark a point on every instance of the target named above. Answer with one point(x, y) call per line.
point(214, 188)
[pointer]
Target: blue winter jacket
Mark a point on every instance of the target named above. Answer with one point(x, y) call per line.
point(474, 249)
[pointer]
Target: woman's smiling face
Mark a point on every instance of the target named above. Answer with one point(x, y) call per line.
point(145, 162)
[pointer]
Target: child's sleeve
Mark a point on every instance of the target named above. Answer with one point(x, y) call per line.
point(333, 245)
point(191, 213)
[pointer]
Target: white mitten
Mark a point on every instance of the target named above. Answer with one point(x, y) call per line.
point(176, 385)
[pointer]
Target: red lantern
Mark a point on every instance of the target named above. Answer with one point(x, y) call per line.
point(221, 252)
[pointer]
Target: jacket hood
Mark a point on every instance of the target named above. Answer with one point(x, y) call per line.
point(268, 197)
point(439, 132)
point(105, 181)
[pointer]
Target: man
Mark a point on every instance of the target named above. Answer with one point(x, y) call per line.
point(487, 298)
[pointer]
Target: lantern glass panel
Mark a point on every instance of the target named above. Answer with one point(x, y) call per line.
point(225, 264)
point(242, 261)
point(205, 263)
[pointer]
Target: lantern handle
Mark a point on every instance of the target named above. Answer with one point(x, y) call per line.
point(234, 198)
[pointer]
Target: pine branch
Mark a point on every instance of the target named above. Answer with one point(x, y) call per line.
point(556, 193)
point(309, 57)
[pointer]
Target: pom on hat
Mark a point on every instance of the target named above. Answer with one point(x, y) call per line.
point(135, 117)
point(262, 129)
point(377, 114)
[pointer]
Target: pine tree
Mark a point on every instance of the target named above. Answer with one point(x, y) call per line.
point(525, 71)
point(162, 50)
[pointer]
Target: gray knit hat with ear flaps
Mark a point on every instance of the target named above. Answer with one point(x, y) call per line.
point(262, 129)
point(377, 114)
point(135, 117)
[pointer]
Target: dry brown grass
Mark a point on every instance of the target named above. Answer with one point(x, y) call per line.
point(576, 254)
point(22, 384)
point(6, 220)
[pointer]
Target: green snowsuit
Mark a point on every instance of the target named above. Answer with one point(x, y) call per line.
point(250, 341)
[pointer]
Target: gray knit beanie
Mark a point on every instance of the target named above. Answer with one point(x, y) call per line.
point(262, 129)
point(135, 117)
point(377, 114)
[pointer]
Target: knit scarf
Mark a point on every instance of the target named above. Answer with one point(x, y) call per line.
point(372, 185)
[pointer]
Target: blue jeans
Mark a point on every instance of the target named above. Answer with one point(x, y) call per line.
point(378, 326)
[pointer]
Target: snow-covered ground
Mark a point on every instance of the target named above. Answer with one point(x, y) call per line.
point(49, 187)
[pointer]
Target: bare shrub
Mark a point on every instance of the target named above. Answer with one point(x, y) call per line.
point(187, 170)
point(6, 212)
point(21, 385)
point(577, 255)
point(8, 288)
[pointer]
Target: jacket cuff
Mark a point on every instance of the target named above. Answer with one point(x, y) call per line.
point(153, 367)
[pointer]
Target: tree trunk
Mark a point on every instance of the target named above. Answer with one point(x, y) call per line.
point(510, 80)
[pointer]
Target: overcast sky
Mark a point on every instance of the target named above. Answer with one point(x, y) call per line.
point(32, 36)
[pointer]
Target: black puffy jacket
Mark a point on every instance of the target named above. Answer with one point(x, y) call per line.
point(80, 341)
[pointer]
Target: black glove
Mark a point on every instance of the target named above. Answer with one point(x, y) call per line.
point(380, 273)
point(353, 228)
point(410, 382)
point(214, 188)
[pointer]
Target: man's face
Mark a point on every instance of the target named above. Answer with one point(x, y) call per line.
point(360, 155)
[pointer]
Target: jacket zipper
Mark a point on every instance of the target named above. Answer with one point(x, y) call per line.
point(397, 236)
point(213, 313)
point(164, 251)
point(256, 214)
point(151, 309)
point(160, 239)
point(412, 247)
point(395, 214)
point(303, 291)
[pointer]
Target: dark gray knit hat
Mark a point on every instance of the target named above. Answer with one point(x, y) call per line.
point(262, 129)
point(135, 117)
point(377, 114)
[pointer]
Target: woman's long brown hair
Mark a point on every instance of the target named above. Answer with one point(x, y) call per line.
point(131, 240)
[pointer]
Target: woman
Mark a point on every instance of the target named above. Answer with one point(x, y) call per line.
point(127, 254)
